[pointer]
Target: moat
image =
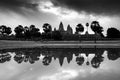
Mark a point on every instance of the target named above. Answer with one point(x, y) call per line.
point(60, 64)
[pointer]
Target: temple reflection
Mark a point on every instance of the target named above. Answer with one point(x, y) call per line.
point(51, 54)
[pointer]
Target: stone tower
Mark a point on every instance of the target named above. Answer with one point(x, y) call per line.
point(69, 30)
point(61, 28)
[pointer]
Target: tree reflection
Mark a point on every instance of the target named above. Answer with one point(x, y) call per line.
point(96, 61)
point(32, 55)
point(87, 63)
point(80, 60)
point(5, 57)
point(113, 54)
point(47, 60)
point(19, 58)
point(27, 56)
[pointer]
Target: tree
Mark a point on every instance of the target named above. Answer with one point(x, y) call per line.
point(47, 31)
point(113, 33)
point(31, 32)
point(27, 32)
point(79, 28)
point(4, 30)
point(47, 28)
point(8, 30)
point(34, 32)
point(95, 26)
point(19, 31)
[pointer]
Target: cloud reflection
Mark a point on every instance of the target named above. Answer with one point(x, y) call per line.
point(61, 75)
point(108, 70)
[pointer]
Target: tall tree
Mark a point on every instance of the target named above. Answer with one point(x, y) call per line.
point(95, 26)
point(4, 30)
point(8, 30)
point(79, 28)
point(47, 31)
point(47, 28)
point(113, 33)
point(34, 32)
point(19, 31)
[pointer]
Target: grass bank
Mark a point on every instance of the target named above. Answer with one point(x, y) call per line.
point(7, 44)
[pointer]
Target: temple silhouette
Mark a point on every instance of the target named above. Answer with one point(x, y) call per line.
point(63, 31)
point(85, 36)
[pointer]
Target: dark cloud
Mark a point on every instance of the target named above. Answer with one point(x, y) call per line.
point(91, 6)
point(18, 5)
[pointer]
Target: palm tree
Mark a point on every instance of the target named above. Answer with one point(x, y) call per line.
point(96, 28)
point(87, 25)
point(79, 29)
point(47, 28)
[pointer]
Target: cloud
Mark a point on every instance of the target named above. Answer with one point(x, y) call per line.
point(9, 70)
point(18, 3)
point(91, 6)
point(62, 13)
point(62, 75)
point(18, 6)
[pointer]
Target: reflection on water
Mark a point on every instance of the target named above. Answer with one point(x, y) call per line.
point(60, 64)
point(48, 55)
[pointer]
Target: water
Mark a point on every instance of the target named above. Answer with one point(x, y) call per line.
point(60, 64)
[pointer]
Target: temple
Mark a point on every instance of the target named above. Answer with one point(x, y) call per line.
point(62, 30)
point(85, 36)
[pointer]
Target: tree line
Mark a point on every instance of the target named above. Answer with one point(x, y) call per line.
point(32, 32)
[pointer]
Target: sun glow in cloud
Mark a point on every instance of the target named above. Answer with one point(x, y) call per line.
point(62, 13)
point(61, 75)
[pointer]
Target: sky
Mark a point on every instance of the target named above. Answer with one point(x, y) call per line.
point(38, 12)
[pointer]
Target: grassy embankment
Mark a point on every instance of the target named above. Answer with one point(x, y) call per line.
point(5, 44)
